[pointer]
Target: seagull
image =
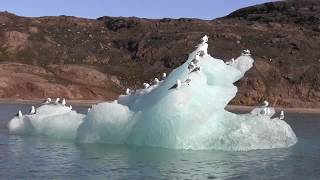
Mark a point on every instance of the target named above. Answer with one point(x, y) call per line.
point(47, 101)
point(188, 80)
point(63, 102)
point(19, 114)
point(164, 75)
point(196, 69)
point(57, 101)
point(265, 103)
point(70, 107)
point(281, 115)
point(191, 66)
point(246, 52)
point(89, 109)
point(204, 39)
point(196, 59)
point(146, 85)
point(265, 110)
point(230, 62)
point(203, 46)
point(33, 110)
point(176, 86)
point(156, 81)
point(128, 91)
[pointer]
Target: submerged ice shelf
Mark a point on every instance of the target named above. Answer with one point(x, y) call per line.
point(184, 114)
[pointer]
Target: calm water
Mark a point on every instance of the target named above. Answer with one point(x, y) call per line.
point(26, 157)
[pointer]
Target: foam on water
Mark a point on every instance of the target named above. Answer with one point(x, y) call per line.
point(191, 117)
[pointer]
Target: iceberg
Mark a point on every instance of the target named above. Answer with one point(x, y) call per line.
point(52, 120)
point(186, 115)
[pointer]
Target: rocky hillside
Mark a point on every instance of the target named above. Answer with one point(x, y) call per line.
point(81, 58)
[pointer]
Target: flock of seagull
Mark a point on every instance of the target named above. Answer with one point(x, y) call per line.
point(147, 85)
point(193, 67)
point(267, 111)
point(47, 101)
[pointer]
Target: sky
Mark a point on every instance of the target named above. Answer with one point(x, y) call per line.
point(155, 9)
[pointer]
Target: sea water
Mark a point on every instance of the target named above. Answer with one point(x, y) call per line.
point(37, 157)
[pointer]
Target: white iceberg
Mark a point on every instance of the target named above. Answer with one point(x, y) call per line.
point(189, 117)
point(50, 120)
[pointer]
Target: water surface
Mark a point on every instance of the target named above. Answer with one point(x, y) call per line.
point(29, 157)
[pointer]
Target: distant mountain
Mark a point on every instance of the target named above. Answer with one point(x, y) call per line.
point(81, 58)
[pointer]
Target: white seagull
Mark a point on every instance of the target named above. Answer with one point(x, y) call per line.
point(204, 39)
point(33, 110)
point(146, 85)
point(57, 101)
point(281, 115)
point(164, 75)
point(176, 86)
point(19, 114)
point(191, 66)
point(246, 52)
point(128, 91)
point(265, 103)
point(230, 62)
point(196, 69)
point(63, 102)
point(156, 81)
point(188, 80)
point(47, 101)
point(265, 110)
point(196, 59)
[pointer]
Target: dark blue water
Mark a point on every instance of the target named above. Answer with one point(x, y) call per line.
point(27, 157)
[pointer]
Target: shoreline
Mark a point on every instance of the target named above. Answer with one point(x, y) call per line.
point(239, 108)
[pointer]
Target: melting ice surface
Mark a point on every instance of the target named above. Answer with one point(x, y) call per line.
point(189, 117)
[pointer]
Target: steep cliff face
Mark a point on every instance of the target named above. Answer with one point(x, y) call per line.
point(96, 59)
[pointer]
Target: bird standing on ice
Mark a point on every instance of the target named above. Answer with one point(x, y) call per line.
point(265, 110)
point(196, 59)
point(191, 66)
point(203, 46)
point(246, 52)
point(196, 69)
point(47, 101)
point(33, 110)
point(146, 85)
point(177, 85)
point(19, 114)
point(156, 81)
point(63, 102)
point(188, 80)
point(128, 91)
point(281, 115)
point(57, 101)
point(164, 75)
point(230, 62)
point(204, 39)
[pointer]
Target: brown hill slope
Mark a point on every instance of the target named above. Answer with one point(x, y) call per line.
point(96, 59)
